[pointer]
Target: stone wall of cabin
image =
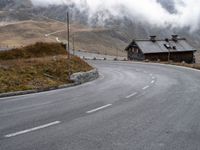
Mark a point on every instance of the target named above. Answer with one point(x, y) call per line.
point(135, 54)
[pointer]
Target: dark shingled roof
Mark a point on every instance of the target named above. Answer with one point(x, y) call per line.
point(159, 46)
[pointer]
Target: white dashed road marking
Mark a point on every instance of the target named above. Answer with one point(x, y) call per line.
point(99, 108)
point(146, 87)
point(129, 96)
point(32, 129)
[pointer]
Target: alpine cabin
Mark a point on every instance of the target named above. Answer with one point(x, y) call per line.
point(153, 49)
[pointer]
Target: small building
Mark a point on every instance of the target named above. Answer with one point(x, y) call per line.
point(153, 49)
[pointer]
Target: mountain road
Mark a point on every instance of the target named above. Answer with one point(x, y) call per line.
point(131, 106)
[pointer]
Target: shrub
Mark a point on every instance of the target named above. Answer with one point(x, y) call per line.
point(38, 49)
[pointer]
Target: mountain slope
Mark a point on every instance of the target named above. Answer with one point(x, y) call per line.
point(98, 40)
point(15, 4)
point(116, 33)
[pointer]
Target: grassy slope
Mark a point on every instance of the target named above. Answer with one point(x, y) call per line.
point(86, 38)
point(26, 32)
point(36, 73)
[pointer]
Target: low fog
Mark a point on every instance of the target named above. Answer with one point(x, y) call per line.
point(186, 14)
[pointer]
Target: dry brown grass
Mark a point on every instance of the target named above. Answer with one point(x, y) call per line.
point(35, 50)
point(27, 32)
point(183, 64)
point(37, 73)
point(37, 66)
point(195, 66)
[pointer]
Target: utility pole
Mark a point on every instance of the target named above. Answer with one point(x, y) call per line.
point(68, 48)
point(168, 55)
point(117, 53)
point(105, 51)
point(73, 46)
point(169, 52)
point(67, 45)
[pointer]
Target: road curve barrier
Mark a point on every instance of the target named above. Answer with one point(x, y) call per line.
point(82, 77)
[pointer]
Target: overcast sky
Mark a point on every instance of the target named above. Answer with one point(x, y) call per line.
point(188, 11)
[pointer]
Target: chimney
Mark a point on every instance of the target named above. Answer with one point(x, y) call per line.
point(153, 38)
point(175, 38)
point(166, 40)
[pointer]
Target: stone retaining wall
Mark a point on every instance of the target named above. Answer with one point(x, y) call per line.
point(83, 77)
point(78, 78)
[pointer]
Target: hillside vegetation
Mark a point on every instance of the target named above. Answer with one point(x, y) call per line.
point(35, 50)
point(38, 66)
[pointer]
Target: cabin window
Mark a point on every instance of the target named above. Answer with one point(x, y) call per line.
point(135, 50)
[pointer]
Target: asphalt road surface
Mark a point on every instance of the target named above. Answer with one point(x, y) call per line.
point(132, 106)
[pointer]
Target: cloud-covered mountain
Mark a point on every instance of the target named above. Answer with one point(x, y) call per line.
point(162, 13)
point(169, 5)
point(136, 19)
point(15, 4)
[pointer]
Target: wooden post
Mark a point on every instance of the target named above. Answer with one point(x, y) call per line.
point(73, 46)
point(67, 45)
point(168, 55)
point(68, 48)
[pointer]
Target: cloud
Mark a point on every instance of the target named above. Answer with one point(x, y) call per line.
point(187, 12)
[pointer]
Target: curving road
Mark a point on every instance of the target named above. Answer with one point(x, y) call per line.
point(132, 106)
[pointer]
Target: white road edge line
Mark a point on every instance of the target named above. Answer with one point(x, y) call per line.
point(32, 129)
point(96, 109)
point(129, 96)
point(146, 87)
point(101, 76)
